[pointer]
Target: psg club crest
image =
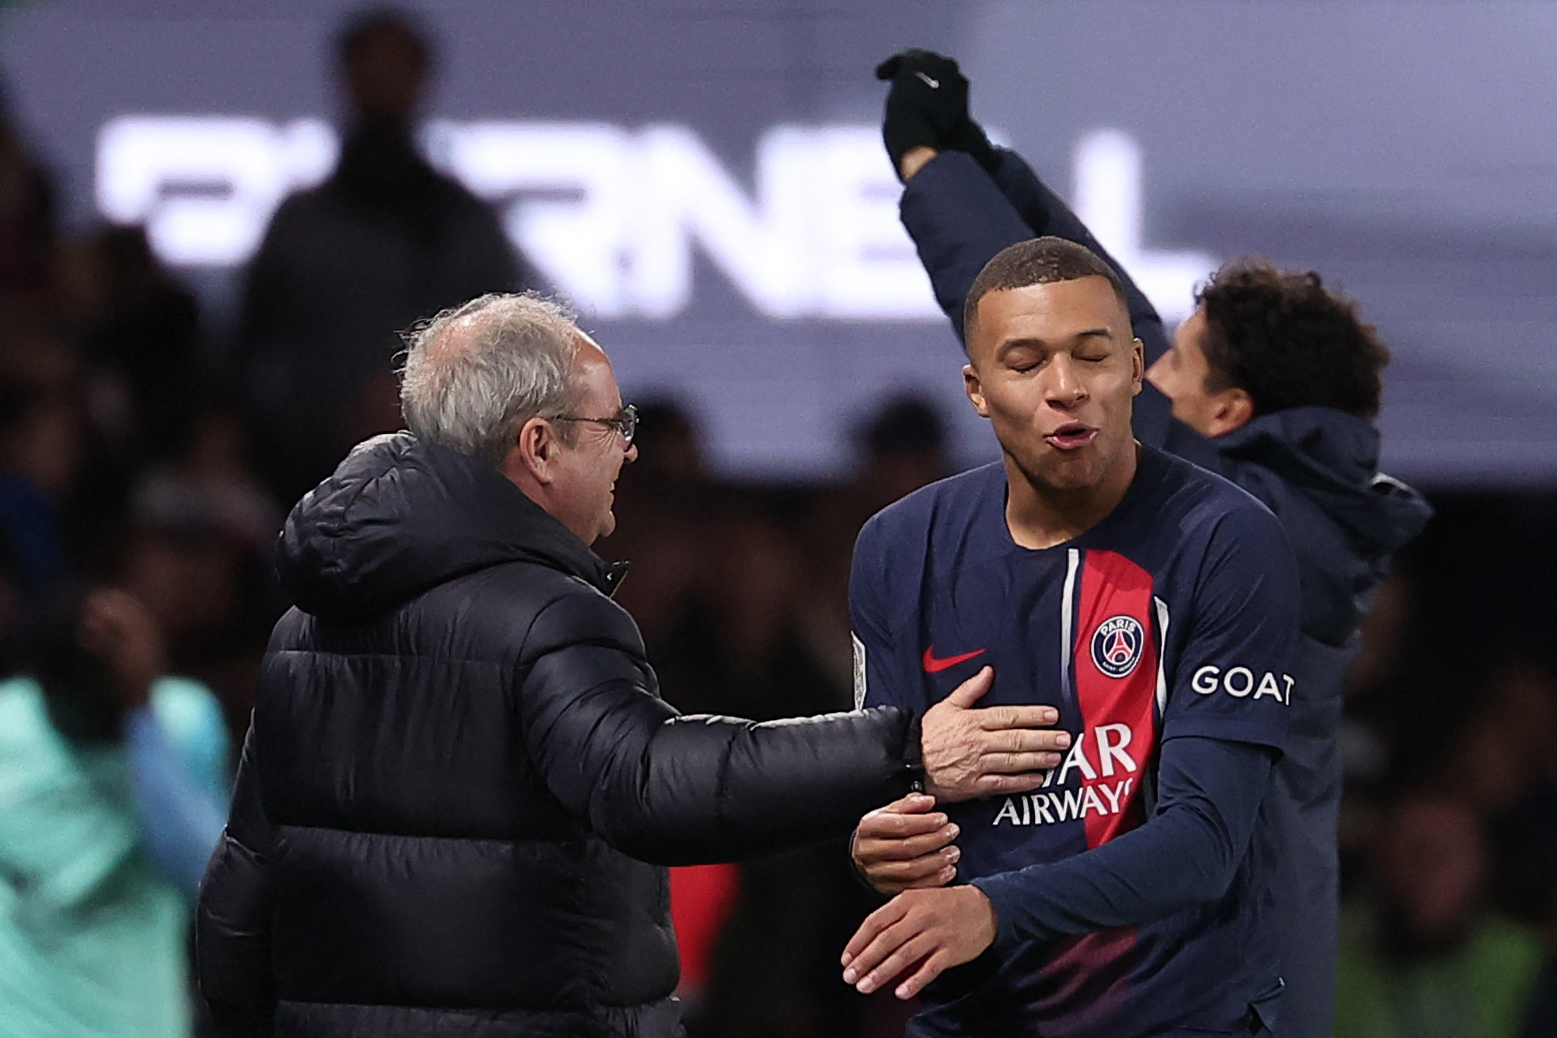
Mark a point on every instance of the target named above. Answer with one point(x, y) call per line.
point(1117, 644)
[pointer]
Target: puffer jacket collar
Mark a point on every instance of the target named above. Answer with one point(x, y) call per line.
point(400, 516)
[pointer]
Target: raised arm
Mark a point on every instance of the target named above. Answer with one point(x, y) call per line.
point(965, 200)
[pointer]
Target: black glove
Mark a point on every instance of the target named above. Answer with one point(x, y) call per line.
point(928, 107)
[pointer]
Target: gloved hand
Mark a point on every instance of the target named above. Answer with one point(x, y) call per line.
point(928, 107)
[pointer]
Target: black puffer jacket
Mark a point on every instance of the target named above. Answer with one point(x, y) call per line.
point(457, 754)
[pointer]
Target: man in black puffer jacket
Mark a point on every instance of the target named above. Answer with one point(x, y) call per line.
point(459, 764)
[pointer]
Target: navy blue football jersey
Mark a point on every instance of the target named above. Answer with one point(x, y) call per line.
point(1174, 616)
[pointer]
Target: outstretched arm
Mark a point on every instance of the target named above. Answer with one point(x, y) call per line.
point(681, 790)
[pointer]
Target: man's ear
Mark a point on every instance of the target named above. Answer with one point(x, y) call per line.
point(975, 389)
point(1137, 366)
point(1234, 409)
point(534, 452)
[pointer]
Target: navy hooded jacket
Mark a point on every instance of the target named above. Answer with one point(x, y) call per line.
point(1316, 468)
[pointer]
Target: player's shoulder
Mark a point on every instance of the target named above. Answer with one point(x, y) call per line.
point(1214, 517)
point(1201, 500)
point(956, 498)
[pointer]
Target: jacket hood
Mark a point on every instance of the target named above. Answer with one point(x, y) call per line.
point(400, 516)
point(1331, 459)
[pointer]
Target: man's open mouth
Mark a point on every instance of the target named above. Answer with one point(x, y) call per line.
point(1071, 436)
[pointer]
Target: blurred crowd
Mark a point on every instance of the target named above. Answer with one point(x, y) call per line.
point(148, 455)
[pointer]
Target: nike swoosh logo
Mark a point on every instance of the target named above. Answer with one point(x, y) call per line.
point(935, 666)
point(933, 84)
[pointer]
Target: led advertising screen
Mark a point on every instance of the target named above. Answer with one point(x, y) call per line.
point(705, 180)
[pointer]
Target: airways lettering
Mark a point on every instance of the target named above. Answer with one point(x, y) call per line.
point(1065, 805)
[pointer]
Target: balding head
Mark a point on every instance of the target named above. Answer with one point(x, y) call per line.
point(475, 374)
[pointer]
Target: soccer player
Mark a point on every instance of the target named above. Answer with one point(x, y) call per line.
point(1155, 605)
point(1274, 382)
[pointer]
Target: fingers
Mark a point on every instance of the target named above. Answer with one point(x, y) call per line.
point(972, 690)
point(885, 824)
point(1026, 740)
point(926, 873)
point(873, 925)
point(995, 784)
point(912, 804)
point(997, 717)
point(928, 970)
point(914, 947)
point(872, 849)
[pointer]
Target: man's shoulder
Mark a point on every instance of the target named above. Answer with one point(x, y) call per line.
point(514, 611)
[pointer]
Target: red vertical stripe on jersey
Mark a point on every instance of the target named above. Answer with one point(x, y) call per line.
point(1112, 586)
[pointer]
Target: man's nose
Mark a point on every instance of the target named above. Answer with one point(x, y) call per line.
point(1063, 386)
point(631, 454)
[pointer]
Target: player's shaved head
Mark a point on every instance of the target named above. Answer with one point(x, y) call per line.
point(1038, 261)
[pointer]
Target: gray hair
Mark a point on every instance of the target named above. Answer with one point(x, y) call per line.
point(516, 363)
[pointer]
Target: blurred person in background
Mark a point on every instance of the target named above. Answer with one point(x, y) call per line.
point(345, 266)
point(1424, 958)
point(29, 239)
point(113, 779)
point(138, 323)
point(1273, 382)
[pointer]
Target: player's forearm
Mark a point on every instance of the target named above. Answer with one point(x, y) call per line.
point(1186, 855)
point(958, 219)
point(1048, 214)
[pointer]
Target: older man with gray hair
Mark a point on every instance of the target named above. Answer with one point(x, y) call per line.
point(459, 764)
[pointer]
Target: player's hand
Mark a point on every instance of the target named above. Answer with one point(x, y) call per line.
point(971, 752)
point(927, 107)
point(933, 929)
point(906, 845)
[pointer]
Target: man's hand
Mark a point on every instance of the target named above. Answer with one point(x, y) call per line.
point(970, 752)
point(927, 107)
point(906, 845)
point(936, 929)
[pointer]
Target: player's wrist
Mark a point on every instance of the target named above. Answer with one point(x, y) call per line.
point(915, 159)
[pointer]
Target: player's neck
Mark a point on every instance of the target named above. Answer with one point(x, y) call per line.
point(1041, 516)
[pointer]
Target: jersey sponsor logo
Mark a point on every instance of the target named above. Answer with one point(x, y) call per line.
point(1102, 758)
point(1066, 805)
point(1243, 683)
point(935, 666)
point(1117, 645)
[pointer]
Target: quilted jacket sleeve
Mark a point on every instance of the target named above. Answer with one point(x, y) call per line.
point(673, 789)
point(232, 924)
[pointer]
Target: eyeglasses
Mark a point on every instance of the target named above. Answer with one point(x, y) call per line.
point(624, 421)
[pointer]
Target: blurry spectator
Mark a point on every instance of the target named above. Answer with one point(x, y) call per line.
point(348, 265)
point(112, 795)
point(135, 318)
point(28, 243)
point(902, 448)
point(210, 483)
point(1426, 959)
point(660, 507)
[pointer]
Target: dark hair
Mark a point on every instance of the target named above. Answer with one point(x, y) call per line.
point(1038, 261)
point(363, 27)
point(1288, 341)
